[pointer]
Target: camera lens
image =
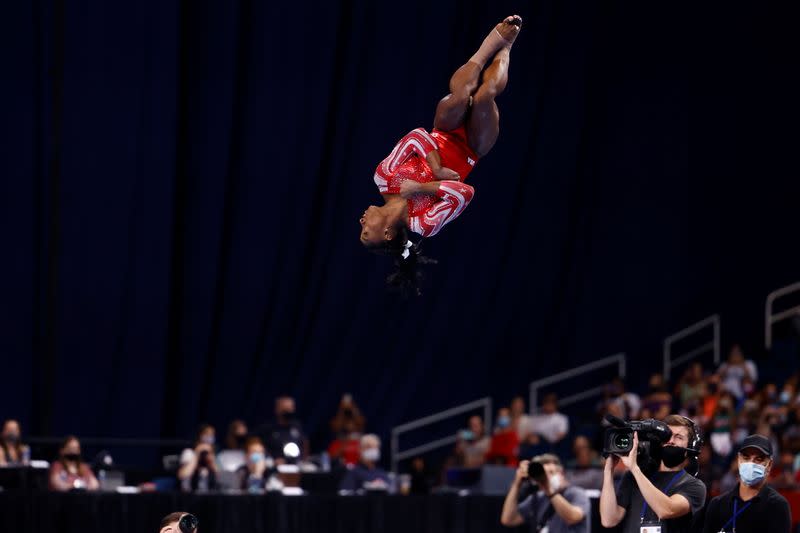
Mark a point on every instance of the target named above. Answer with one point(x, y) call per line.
point(622, 441)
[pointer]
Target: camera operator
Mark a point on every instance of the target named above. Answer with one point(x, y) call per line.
point(557, 505)
point(662, 501)
point(752, 503)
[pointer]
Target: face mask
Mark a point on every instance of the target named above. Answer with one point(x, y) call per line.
point(751, 473)
point(503, 422)
point(12, 438)
point(371, 454)
point(240, 440)
point(467, 434)
point(672, 456)
point(785, 396)
point(208, 439)
point(256, 457)
point(72, 457)
point(556, 481)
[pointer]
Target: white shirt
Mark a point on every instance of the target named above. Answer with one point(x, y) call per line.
point(552, 427)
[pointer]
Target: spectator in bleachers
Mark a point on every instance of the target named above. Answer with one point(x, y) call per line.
point(584, 469)
point(584, 456)
point(734, 370)
point(626, 405)
point(233, 456)
point(549, 423)
point(783, 474)
point(348, 414)
point(367, 475)
point(658, 401)
point(520, 420)
point(472, 444)
point(69, 472)
point(256, 473)
point(691, 388)
point(504, 445)
point(13, 452)
point(285, 433)
point(722, 426)
point(421, 478)
point(347, 426)
point(198, 467)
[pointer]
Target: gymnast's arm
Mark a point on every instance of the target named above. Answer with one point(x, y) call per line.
point(441, 173)
point(454, 197)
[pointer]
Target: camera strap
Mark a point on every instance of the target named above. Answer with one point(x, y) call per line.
point(664, 490)
point(548, 514)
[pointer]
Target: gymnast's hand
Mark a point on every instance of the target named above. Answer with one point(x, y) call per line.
point(409, 188)
point(444, 173)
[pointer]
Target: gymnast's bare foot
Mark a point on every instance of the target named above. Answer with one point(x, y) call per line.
point(509, 28)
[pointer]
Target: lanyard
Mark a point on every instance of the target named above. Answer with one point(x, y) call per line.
point(673, 480)
point(735, 514)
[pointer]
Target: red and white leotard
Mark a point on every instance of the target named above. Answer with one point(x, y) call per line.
point(428, 214)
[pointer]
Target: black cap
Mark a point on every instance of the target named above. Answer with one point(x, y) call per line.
point(759, 442)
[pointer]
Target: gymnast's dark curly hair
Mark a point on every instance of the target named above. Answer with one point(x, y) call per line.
point(407, 276)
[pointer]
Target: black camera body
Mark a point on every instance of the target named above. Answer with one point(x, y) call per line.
point(653, 434)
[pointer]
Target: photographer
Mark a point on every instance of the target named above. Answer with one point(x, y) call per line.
point(556, 505)
point(664, 500)
point(179, 522)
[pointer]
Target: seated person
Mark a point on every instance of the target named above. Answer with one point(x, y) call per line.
point(233, 456)
point(257, 472)
point(69, 472)
point(12, 451)
point(198, 467)
point(284, 430)
point(366, 475)
point(505, 442)
point(346, 449)
point(472, 444)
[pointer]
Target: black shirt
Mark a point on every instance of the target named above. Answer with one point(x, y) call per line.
point(768, 512)
point(630, 497)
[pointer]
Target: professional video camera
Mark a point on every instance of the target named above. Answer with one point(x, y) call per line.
point(653, 434)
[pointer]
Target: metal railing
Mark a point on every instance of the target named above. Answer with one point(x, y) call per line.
point(770, 319)
point(397, 455)
point(616, 359)
point(712, 321)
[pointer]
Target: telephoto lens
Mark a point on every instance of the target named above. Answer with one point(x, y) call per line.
point(536, 472)
point(188, 523)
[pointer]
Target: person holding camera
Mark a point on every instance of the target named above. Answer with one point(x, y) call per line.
point(752, 505)
point(662, 499)
point(198, 467)
point(556, 505)
point(179, 522)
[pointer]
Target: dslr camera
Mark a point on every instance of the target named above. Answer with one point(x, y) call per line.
point(653, 434)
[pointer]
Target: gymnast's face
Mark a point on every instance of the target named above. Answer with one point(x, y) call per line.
point(374, 228)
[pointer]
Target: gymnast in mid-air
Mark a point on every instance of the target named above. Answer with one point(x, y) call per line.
point(422, 179)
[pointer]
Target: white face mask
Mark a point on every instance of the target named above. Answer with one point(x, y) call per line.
point(371, 454)
point(556, 482)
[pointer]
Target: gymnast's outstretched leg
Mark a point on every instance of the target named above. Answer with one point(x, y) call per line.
point(453, 109)
point(483, 123)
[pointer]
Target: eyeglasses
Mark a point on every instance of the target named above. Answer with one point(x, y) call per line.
point(188, 523)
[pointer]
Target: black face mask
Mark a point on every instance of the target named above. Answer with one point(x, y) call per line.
point(72, 457)
point(287, 417)
point(12, 438)
point(672, 456)
point(240, 440)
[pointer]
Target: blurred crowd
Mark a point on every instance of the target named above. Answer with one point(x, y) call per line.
point(728, 403)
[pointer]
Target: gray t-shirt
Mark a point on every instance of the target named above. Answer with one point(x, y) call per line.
point(534, 506)
point(630, 497)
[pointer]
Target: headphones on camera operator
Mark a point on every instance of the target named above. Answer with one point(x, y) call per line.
point(652, 434)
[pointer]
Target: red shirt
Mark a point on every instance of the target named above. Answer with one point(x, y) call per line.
point(347, 449)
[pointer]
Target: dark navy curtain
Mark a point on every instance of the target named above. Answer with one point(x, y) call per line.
point(181, 184)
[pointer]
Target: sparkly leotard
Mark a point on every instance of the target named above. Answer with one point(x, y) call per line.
point(427, 214)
